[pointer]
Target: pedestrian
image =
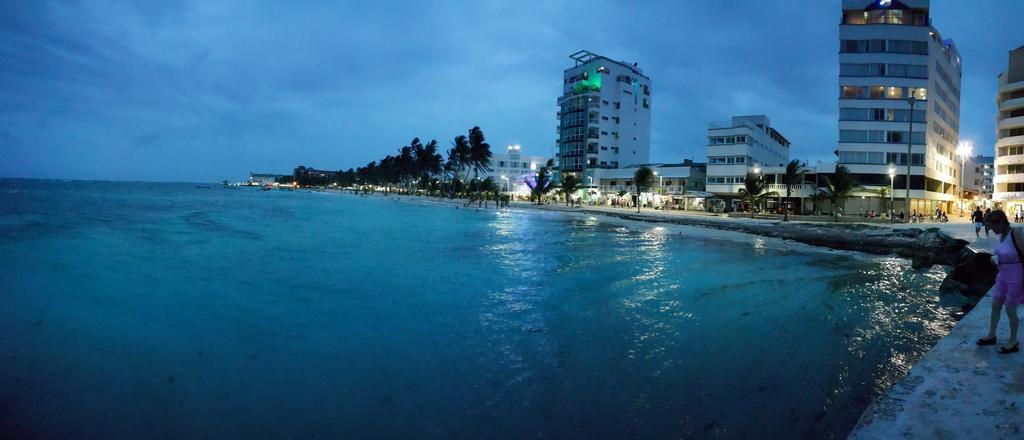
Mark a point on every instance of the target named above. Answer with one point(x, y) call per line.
point(1008, 290)
point(987, 212)
point(978, 218)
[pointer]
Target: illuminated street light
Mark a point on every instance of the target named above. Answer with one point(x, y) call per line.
point(963, 149)
point(892, 189)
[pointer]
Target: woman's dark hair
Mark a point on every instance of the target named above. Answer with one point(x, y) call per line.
point(997, 217)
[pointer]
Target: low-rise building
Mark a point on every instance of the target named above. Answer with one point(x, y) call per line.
point(675, 184)
point(978, 173)
point(511, 169)
point(738, 146)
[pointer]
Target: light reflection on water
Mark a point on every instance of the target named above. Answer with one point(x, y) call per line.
point(442, 322)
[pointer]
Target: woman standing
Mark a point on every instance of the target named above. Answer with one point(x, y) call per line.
point(1009, 287)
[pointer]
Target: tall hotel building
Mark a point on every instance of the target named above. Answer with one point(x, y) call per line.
point(604, 117)
point(1009, 179)
point(891, 58)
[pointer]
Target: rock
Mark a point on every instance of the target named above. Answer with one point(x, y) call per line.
point(972, 276)
point(910, 232)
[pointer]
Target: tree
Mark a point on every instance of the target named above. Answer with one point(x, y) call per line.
point(479, 152)
point(487, 190)
point(794, 175)
point(643, 180)
point(884, 193)
point(460, 155)
point(755, 190)
point(839, 187)
point(569, 185)
point(541, 184)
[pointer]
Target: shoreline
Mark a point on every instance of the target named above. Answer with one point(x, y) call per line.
point(923, 246)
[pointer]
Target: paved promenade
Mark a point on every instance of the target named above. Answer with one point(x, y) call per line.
point(956, 391)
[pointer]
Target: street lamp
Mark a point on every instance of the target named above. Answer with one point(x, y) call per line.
point(963, 149)
point(910, 136)
point(892, 188)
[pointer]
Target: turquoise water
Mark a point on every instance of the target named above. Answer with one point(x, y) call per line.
point(134, 310)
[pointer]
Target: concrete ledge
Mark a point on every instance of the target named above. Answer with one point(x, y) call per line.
point(956, 391)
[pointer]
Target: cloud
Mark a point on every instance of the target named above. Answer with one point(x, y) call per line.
point(90, 90)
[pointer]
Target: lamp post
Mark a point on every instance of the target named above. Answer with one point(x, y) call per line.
point(910, 141)
point(963, 149)
point(892, 187)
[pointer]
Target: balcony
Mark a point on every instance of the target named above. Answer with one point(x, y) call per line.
point(1012, 122)
point(1006, 88)
point(1007, 195)
point(1010, 104)
point(1008, 178)
point(1013, 159)
point(668, 190)
point(1009, 140)
point(801, 190)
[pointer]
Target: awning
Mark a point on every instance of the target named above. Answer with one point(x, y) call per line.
point(697, 195)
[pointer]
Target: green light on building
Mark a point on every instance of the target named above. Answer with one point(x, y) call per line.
point(591, 81)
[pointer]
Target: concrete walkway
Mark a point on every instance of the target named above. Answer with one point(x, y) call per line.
point(956, 391)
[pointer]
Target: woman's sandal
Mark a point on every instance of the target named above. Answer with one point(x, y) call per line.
point(986, 341)
point(1014, 349)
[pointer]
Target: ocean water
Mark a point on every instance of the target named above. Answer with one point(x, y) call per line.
point(135, 310)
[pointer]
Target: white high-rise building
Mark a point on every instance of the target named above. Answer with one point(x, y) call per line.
point(1009, 179)
point(604, 116)
point(738, 146)
point(891, 59)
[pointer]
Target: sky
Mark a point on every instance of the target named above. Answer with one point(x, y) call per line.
point(205, 91)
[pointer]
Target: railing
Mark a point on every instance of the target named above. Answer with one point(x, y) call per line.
point(668, 190)
point(1006, 104)
point(1015, 121)
point(800, 190)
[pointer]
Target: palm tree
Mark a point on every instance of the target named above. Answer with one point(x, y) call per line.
point(840, 187)
point(479, 152)
point(643, 180)
point(884, 193)
point(542, 183)
point(794, 175)
point(486, 189)
point(755, 190)
point(460, 154)
point(569, 185)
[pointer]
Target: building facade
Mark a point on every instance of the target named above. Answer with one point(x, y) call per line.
point(1009, 178)
point(738, 146)
point(978, 173)
point(675, 184)
point(899, 84)
point(511, 169)
point(604, 116)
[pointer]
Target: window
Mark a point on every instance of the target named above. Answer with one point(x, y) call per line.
point(876, 92)
point(853, 136)
point(920, 93)
point(915, 71)
point(851, 92)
